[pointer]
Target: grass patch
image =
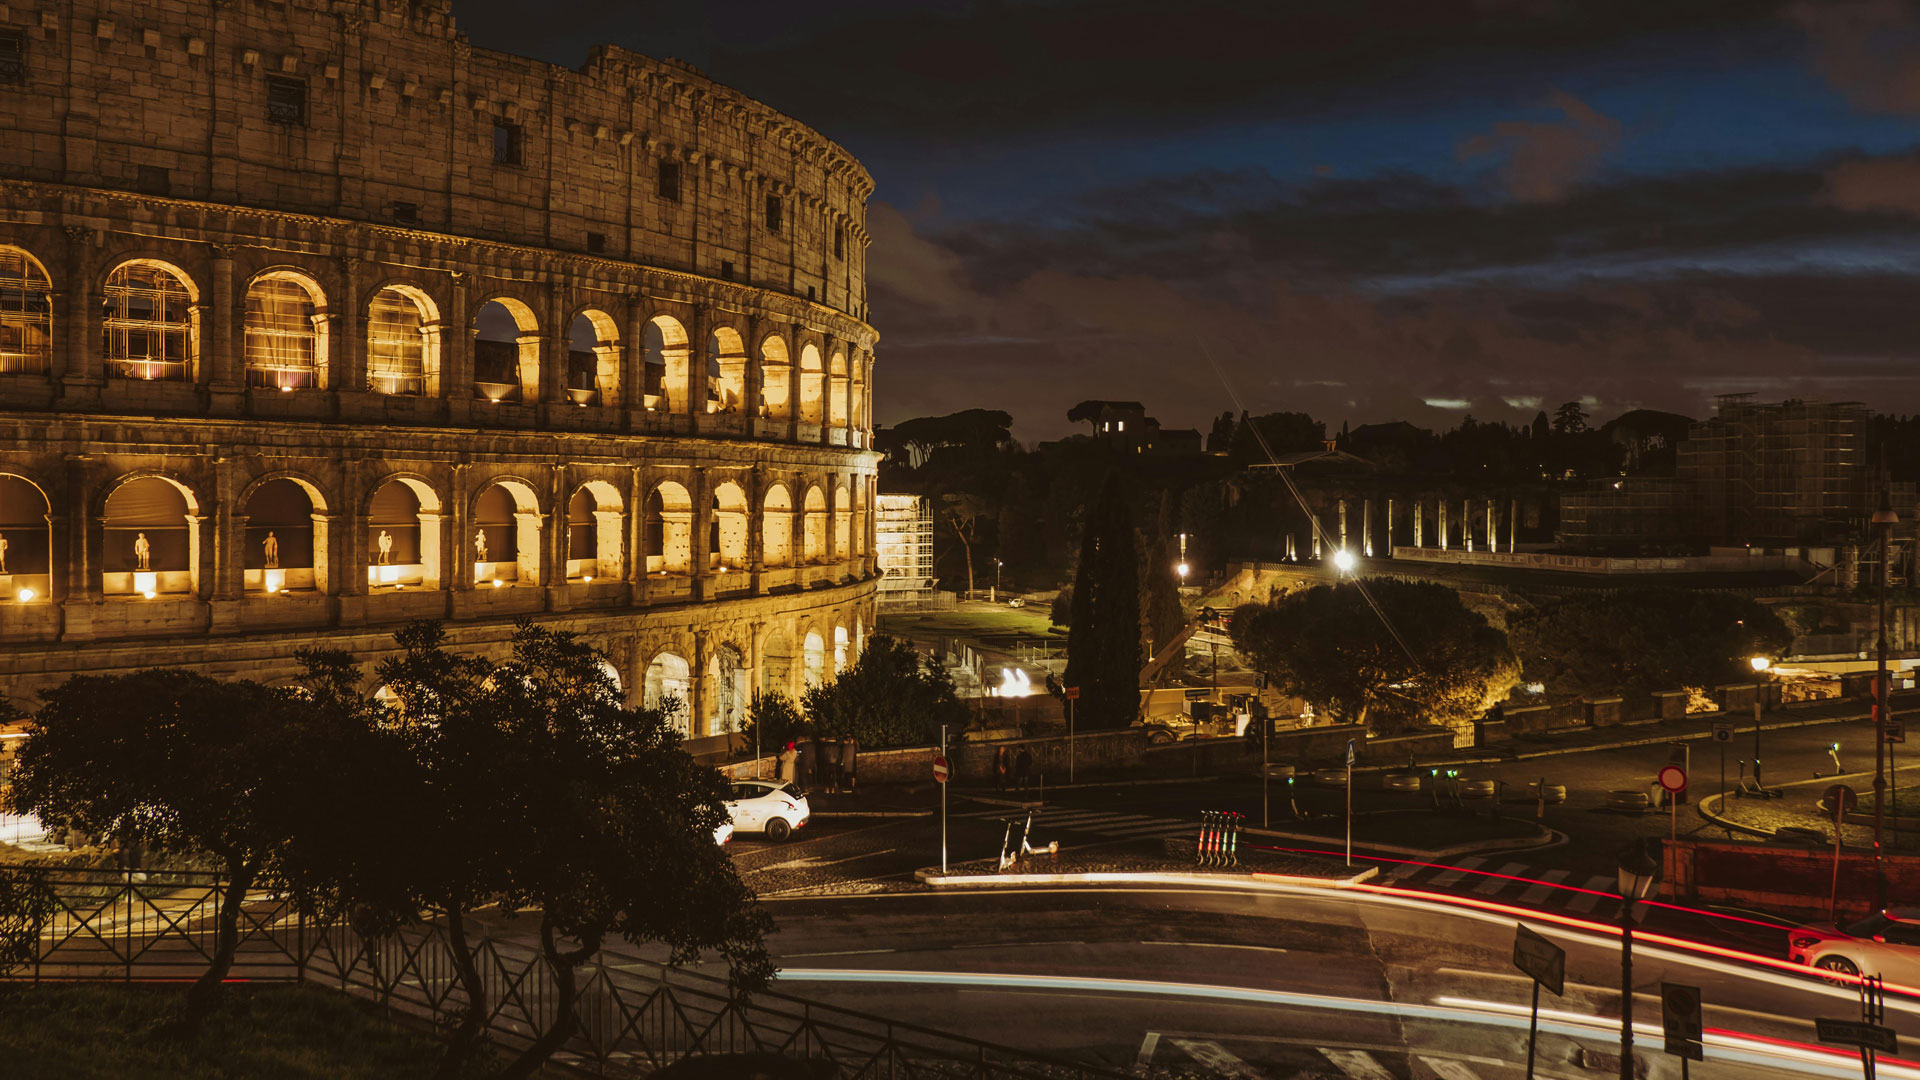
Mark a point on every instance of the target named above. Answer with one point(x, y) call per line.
point(111, 1032)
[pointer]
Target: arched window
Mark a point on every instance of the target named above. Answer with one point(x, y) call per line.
point(776, 528)
point(669, 525)
point(837, 390)
point(148, 547)
point(813, 547)
point(593, 360)
point(812, 392)
point(403, 535)
point(25, 541)
point(839, 649)
point(397, 342)
point(26, 315)
point(595, 523)
point(727, 547)
point(669, 680)
point(776, 664)
point(284, 346)
point(506, 536)
point(814, 659)
point(726, 371)
point(147, 323)
point(280, 546)
point(776, 380)
point(666, 365)
point(506, 352)
point(842, 524)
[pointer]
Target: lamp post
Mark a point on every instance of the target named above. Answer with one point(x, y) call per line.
point(1344, 561)
point(1637, 873)
point(1760, 666)
point(1181, 567)
point(995, 598)
point(1883, 519)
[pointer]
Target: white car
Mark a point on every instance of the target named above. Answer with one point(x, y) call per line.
point(1886, 943)
point(723, 833)
point(773, 807)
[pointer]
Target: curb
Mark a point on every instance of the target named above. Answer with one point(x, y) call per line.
point(1726, 823)
point(934, 879)
point(872, 813)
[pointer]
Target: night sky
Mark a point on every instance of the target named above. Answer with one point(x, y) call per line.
point(1366, 211)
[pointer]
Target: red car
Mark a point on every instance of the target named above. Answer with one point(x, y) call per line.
point(1886, 943)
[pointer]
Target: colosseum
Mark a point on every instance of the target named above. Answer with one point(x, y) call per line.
point(315, 319)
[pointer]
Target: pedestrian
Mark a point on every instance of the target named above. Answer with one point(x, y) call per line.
point(1002, 763)
point(805, 755)
point(830, 763)
point(1023, 768)
point(787, 755)
point(850, 761)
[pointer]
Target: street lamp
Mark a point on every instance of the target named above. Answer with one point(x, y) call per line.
point(996, 581)
point(1637, 874)
point(1344, 561)
point(1884, 519)
point(1760, 666)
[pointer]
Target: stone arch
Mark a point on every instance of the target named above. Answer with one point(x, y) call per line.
point(727, 675)
point(726, 371)
point(403, 341)
point(813, 524)
point(776, 527)
point(26, 315)
point(150, 545)
point(838, 387)
point(842, 523)
point(841, 647)
point(150, 322)
point(285, 331)
point(284, 540)
point(506, 350)
point(669, 685)
point(668, 527)
point(813, 658)
point(593, 358)
point(812, 392)
point(596, 523)
point(776, 664)
point(727, 546)
point(406, 510)
point(26, 560)
point(666, 355)
point(506, 521)
point(776, 379)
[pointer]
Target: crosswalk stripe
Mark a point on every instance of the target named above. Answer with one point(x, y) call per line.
point(1583, 902)
point(1152, 828)
point(1499, 879)
point(1547, 882)
point(1357, 1064)
point(1449, 1069)
point(1459, 871)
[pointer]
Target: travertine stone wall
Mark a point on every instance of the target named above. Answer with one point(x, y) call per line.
point(650, 489)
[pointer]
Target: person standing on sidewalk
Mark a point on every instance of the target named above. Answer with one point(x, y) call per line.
point(850, 761)
point(1002, 764)
point(805, 755)
point(787, 756)
point(1023, 768)
point(830, 763)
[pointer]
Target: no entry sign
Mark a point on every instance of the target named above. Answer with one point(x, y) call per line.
point(940, 769)
point(1673, 778)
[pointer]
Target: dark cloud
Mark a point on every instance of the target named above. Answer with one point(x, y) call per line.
point(1868, 49)
point(1543, 160)
point(1875, 186)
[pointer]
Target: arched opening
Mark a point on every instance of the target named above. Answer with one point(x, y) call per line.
point(669, 528)
point(727, 546)
point(148, 326)
point(776, 665)
point(26, 541)
point(593, 360)
point(814, 659)
point(813, 546)
point(837, 390)
point(726, 371)
point(669, 680)
point(613, 676)
point(506, 351)
point(402, 342)
point(812, 392)
point(862, 491)
point(842, 524)
point(596, 519)
point(148, 541)
point(286, 332)
point(26, 315)
point(284, 542)
point(728, 674)
point(403, 535)
point(666, 364)
point(506, 536)
point(840, 649)
point(776, 528)
point(776, 379)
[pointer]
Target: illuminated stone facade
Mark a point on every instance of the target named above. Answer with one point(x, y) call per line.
point(315, 319)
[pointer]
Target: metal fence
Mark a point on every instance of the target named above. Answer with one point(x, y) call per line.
point(635, 1014)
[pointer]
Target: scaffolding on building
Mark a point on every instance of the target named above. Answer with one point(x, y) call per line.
point(903, 546)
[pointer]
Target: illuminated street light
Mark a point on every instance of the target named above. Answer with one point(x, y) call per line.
point(1760, 663)
point(1181, 570)
point(1344, 561)
point(1760, 666)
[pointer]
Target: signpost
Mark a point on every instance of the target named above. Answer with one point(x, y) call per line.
point(940, 774)
point(1680, 1022)
point(1350, 757)
point(1842, 799)
point(1722, 735)
point(1896, 733)
point(1858, 1033)
point(1547, 964)
point(1674, 779)
point(1073, 695)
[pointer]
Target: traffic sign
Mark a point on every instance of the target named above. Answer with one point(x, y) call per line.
point(1841, 799)
point(1722, 732)
point(1540, 958)
point(1685, 1048)
point(1673, 778)
point(1073, 693)
point(1855, 1033)
point(1896, 731)
point(940, 769)
point(1680, 1012)
point(1199, 694)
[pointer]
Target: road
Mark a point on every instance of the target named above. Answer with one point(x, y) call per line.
point(1271, 984)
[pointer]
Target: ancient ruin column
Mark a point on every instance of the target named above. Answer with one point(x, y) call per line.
point(1342, 505)
point(223, 322)
point(1366, 528)
point(1466, 524)
point(1493, 528)
point(1513, 525)
point(1389, 532)
point(1419, 520)
point(1313, 523)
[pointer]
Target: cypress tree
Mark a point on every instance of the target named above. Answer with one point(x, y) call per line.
point(1103, 643)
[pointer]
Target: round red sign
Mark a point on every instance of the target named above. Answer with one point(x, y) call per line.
point(940, 769)
point(1673, 778)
